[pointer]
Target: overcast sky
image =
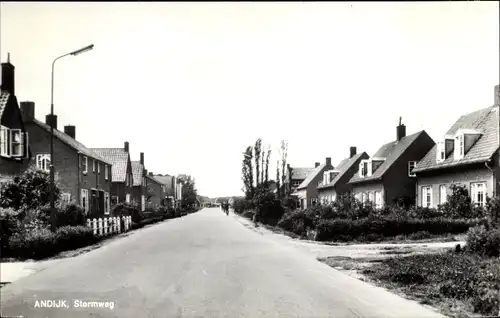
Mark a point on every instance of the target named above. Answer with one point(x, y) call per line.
point(191, 84)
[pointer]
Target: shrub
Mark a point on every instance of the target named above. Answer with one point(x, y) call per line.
point(70, 214)
point(72, 237)
point(9, 224)
point(34, 244)
point(482, 241)
point(388, 227)
point(493, 211)
point(249, 214)
point(419, 235)
point(269, 209)
point(298, 222)
point(459, 205)
point(128, 209)
point(30, 190)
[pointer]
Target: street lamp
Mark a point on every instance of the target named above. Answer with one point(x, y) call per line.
point(52, 201)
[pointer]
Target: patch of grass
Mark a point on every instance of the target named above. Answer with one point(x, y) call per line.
point(455, 283)
point(390, 252)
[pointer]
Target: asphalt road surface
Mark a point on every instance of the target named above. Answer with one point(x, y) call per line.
point(203, 265)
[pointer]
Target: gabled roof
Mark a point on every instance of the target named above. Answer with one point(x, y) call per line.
point(152, 178)
point(137, 173)
point(119, 158)
point(76, 145)
point(391, 152)
point(301, 173)
point(311, 176)
point(166, 180)
point(342, 168)
point(484, 120)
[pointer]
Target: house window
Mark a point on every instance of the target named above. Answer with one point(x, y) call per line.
point(43, 162)
point(363, 198)
point(427, 197)
point(411, 166)
point(127, 198)
point(442, 194)
point(16, 143)
point(66, 197)
point(296, 183)
point(84, 200)
point(4, 141)
point(378, 199)
point(459, 146)
point(440, 152)
point(106, 172)
point(107, 207)
point(98, 167)
point(93, 165)
point(370, 197)
point(84, 164)
point(114, 200)
point(478, 191)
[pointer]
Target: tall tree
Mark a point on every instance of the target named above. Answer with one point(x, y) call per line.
point(262, 168)
point(258, 152)
point(247, 172)
point(284, 156)
point(268, 157)
point(189, 192)
point(278, 192)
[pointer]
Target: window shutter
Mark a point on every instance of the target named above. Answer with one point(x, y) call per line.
point(3, 141)
point(9, 142)
point(26, 148)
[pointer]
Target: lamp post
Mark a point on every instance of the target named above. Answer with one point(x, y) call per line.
point(52, 172)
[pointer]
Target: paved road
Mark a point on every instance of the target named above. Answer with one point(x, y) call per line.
point(203, 265)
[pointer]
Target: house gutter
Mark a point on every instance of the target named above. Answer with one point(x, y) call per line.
point(486, 165)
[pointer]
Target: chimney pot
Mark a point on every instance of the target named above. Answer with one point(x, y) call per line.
point(316, 164)
point(400, 131)
point(126, 146)
point(8, 79)
point(328, 161)
point(27, 111)
point(70, 131)
point(352, 152)
point(51, 120)
point(497, 95)
point(142, 158)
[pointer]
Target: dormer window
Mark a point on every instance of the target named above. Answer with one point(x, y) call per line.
point(440, 152)
point(365, 168)
point(459, 146)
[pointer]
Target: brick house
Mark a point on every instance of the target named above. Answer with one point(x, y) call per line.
point(169, 189)
point(155, 192)
point(294, 176)
point(336, 181)
point(307, 191)
point(387, 178)
point(139, 189)
point(82, 175)
point(121, 173)
point(468, 154)
point(14, 141)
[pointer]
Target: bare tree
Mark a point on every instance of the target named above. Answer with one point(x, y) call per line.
point(278, 183)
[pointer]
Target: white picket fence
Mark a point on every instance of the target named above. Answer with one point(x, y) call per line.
point(109, 226)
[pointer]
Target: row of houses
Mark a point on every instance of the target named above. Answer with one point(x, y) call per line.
point(96, 178)
point(412, 169)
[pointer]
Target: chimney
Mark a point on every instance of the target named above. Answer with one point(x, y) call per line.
point(400, 130)
point(70, 131)
point(126, 146)
point(142, 158)
point(27, 111)
point(316, 164)
point(497, 95)
point(328, 161)
point(8, 76)
point(352, 152)
point(51, 120)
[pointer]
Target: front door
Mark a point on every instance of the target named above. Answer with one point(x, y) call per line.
point(101, 201)
point(93, 202)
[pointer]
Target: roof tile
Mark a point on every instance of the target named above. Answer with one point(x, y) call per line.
point(138, 173)
point(485, 120)
point(119, 158)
